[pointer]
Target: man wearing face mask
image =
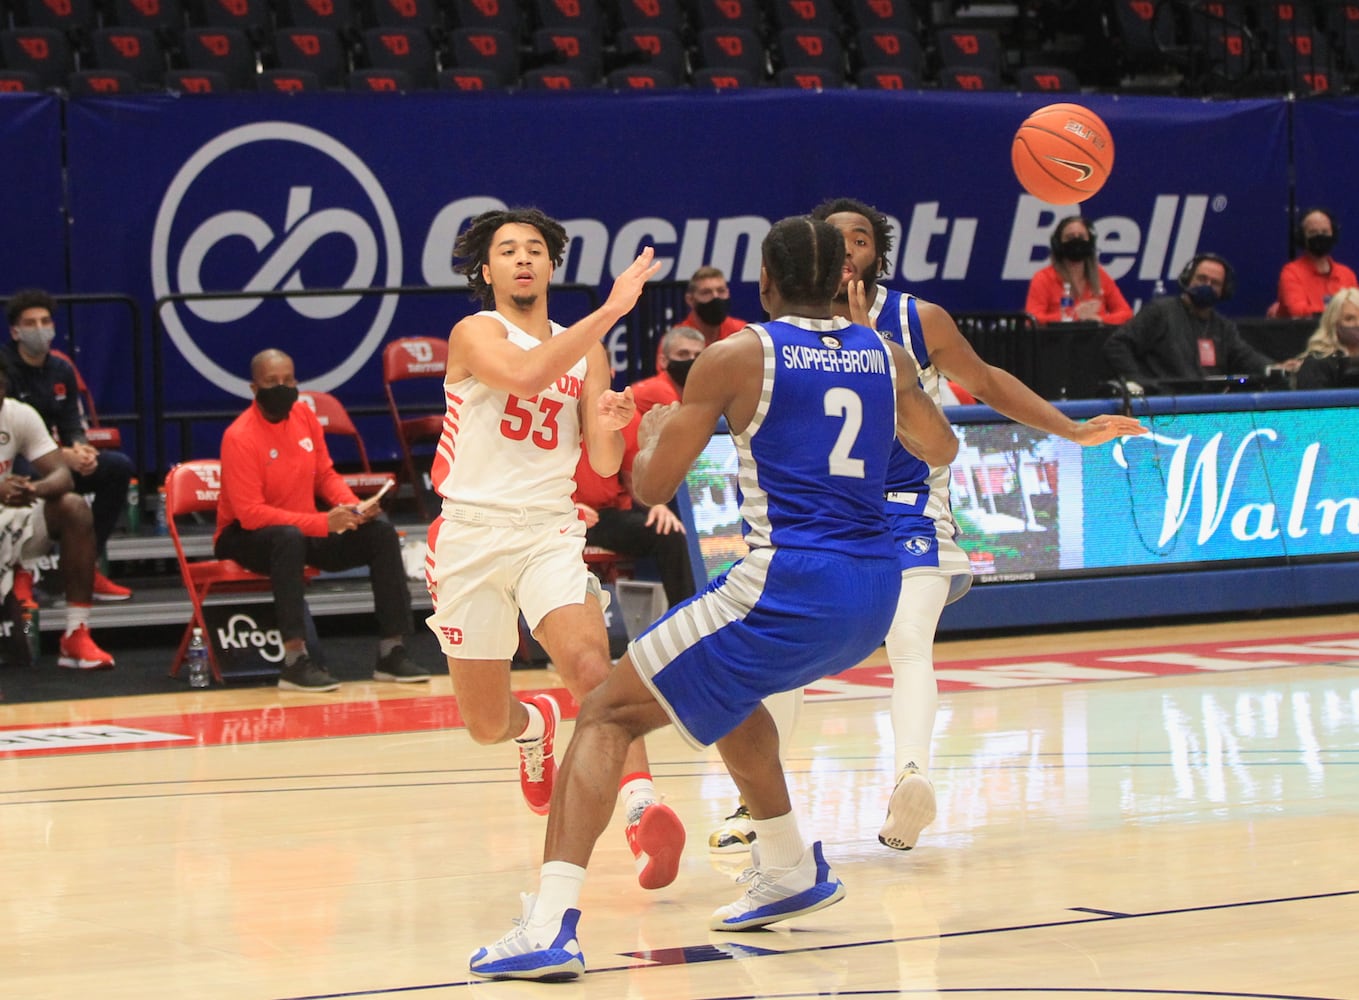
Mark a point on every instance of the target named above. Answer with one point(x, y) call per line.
point(274, 465)
point(48, 384)
point(1308, 283)
point(679, 347)
point(1184, 337)
point(709, 302)
point(1075, 269)
point(605, 503)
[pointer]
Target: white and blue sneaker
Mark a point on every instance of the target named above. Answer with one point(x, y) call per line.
point(519, 955)
point(780, 893)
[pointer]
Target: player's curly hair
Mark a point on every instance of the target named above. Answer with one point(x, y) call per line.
point(882, 232)
point(473, 246)
point(28, 298)
point(804, 257)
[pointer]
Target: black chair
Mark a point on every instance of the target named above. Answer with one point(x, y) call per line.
point(19, 81)
point(732, 48)
point(408, 50)
point(287, 81)
point(651, 47)
point(723, 78)
point(486, 49)
point(135, 51)
point(198, 81)
point(222, 50)
point(898, 14)
point(1047, 79)
point(727, 14)
point(163, 18)
point(811, 48)
point(644, 79)
point(250, 16)
point(422, 14)
point(576, 49)
point(809, 78)
point(76, 19)
point(819, 14)
point(498, 15)
point(655, 14)
point(969, 78)
point(370, 80)
point(887, 78)
point(316, 50)
point(43, 52)
point(100, 82)
point(971, 48)
point(555, 78)
point(879, 47)
point(583, 15)
point(338, 16)
point(469, 80)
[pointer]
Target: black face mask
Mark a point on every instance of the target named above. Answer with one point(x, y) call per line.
point(1320, 244)
point(679, 370)
point(1077, 249)
point(276, 401)
point(712, 312)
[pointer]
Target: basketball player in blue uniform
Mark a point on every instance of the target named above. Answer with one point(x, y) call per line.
point(814, 404)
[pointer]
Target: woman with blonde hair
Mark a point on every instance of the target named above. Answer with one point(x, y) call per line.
point(1334, 347)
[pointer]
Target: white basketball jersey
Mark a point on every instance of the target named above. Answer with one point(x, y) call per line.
point(503, 452)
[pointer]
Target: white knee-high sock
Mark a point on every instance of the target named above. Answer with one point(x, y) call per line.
point(910, 651)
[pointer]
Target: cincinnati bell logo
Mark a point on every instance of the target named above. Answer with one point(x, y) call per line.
point(275, 206)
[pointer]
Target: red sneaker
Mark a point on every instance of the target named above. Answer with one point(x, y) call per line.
point(79, 652)
point(106, 590)
point(537, 767)
point(656, 837)
point(23, 589)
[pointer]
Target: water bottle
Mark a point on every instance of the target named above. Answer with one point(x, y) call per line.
point(32, 633)
point(162, 525)
point(200, 673)
point(1159, 289)
point(1068, 303)
point(134, 507)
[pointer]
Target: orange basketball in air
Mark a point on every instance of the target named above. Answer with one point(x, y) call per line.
point(1062, 153)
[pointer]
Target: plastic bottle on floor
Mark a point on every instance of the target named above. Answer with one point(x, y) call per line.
point(200, 673)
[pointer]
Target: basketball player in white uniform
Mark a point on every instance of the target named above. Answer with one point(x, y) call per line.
point(522, 392)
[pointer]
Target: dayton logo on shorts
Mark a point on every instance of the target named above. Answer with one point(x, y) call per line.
point(274, 206)
point(453, 635)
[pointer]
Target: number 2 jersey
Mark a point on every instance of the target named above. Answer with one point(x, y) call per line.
point(504, 452)
point(813, 459)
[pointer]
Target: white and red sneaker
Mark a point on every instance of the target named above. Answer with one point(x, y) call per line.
point(79, 652)
point(106, 590)
point(656, 837)
point(537, 766)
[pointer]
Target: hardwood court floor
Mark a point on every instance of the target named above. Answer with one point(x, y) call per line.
point(1187, 830)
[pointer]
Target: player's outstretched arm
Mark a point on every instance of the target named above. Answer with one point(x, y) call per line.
point(477, 345)
point(954, 357)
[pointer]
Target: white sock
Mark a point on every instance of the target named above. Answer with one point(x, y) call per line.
point(910, 651)
point(636, 790)
point(559, 885)
point(77, 616)
point(780, 841)
point(536, 725)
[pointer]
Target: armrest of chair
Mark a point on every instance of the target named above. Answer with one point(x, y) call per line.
point(104, 437)
point(365, 484)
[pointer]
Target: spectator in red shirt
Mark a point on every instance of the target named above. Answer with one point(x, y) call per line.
point(275, 465)
point(1307, 283)
point(613, 522)
point(709, 302)
point(679, 347)
point(1075, 262)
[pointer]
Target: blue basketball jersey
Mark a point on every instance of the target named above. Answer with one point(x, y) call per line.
point(917, 497)
point(814, 457)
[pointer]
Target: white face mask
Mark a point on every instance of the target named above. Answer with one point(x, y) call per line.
point(36, 339)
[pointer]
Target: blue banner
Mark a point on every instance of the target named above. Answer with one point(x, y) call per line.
point(33, 252)
point(172, 196)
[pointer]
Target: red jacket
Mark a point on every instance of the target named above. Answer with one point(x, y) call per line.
point(273, 473)
point(1045, 299)
point(1303, 290)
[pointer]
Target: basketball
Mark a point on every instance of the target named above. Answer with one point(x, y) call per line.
point(1062, 154)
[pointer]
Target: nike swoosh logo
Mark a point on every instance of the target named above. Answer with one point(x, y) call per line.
point(1083, 169)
